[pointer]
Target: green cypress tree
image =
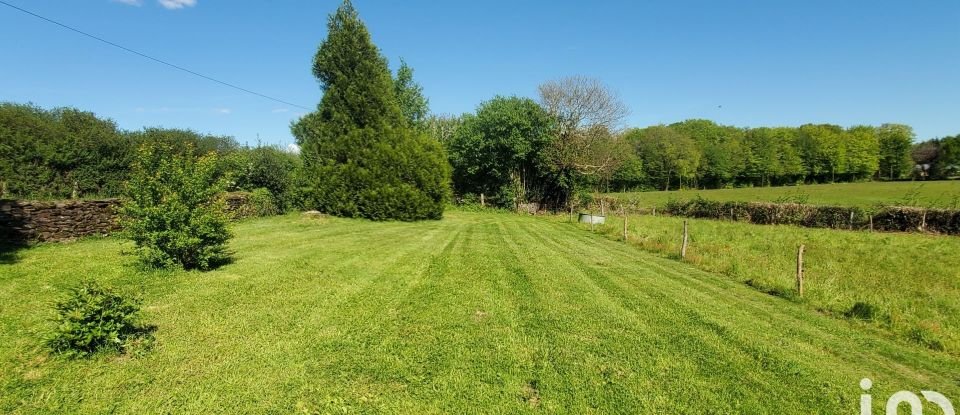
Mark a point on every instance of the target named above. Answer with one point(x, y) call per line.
point(361, 156)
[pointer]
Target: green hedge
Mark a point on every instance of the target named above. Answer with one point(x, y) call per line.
point(890, 219)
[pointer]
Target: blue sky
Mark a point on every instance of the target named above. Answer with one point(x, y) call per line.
point(745, 63)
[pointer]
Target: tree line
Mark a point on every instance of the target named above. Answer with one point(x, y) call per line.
point(569, 143)
point(64, 153)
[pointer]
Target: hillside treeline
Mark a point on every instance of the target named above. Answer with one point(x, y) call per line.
point(68, 153)
point(693, 153)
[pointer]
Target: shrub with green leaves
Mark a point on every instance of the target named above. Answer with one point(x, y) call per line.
point(93, 318)
point(173, 211)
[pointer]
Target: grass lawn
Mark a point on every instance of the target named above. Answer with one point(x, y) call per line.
point(478, 313)
point(943, 194)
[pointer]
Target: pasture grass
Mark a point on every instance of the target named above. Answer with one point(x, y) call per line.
point(477, 313)
point(931, 194)
point(906, 283)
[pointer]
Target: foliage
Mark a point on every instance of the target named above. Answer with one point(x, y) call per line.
point(269, 168)
point(255, 204)
point(498, 151)
point(413, 105)
point(666, 154)
point(60, 153)
point(68, 153)
point(443, 128)
point(895, 144)
point(94, 318)
point(587, 146)
point(186, 142)
point(892, 218)
point(361, 157)
point(630, 175)
point(173, 211)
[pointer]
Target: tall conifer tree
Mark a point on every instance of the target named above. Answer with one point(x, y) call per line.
point(361, 156)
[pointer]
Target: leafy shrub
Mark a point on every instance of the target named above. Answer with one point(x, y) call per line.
point(93, 318)
point(267, 168)
point(173, 211)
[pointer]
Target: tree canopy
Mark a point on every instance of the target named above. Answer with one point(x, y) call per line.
point(499, 151)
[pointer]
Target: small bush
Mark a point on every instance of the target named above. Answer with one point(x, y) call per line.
point(173, 211)
point(93, 318)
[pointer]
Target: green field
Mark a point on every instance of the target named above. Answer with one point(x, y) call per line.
point(942, 194)
point(912, 281)
point(478, 313)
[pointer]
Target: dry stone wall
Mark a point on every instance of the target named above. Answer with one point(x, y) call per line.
point(29, 221)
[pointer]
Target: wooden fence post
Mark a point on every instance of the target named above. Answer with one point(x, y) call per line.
point(851, 220)
point(602, 210)
point(654, 210)
point(871, 223)
point(482, 201)
point(923, 221)
point(800, 270)
point(571, 213)
point(591, 220)
point(625, 226)
point(683, 247)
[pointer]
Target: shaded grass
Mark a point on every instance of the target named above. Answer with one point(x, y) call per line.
point(905, 283)
point(478, 313)
point(933, 194)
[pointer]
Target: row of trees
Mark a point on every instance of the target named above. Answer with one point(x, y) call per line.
point(516, 149)
point(701, 153)
point(68, 153)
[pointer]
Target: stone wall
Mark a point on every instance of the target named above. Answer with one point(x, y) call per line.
point(29, 221)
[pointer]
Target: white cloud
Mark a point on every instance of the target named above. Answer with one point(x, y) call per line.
point(137, 3)
point(177, 4)
point(223, 111)
point(293, 148)
point(279, 110)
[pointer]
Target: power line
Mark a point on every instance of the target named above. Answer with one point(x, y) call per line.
point(177, 67)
